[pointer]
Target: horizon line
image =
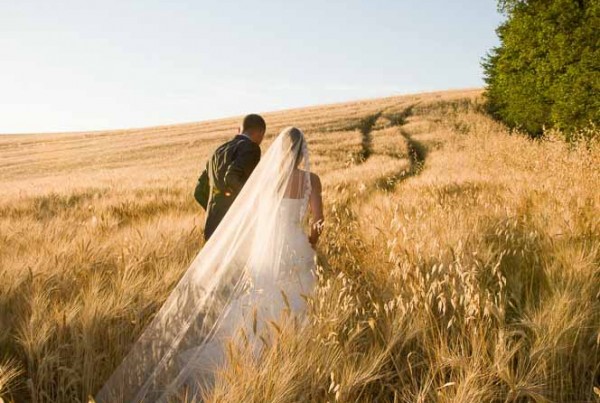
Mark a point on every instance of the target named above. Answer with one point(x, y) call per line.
point(222, 118)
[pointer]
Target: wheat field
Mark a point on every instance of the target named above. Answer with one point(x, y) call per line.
point(459, 262)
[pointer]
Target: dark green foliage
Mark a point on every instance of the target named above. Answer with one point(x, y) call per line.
point(546, 72)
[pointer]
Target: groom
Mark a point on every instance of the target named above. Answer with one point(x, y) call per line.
point(228, 170)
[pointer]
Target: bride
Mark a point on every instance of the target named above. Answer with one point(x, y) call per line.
point(256, 268)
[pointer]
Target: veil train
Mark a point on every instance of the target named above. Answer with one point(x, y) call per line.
point(230, 290)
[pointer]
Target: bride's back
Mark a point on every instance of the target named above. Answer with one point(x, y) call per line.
point(297, 186)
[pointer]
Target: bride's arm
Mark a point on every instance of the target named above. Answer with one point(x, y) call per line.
point(316, 208)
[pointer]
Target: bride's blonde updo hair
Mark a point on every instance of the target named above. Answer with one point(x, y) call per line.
point(293, 138)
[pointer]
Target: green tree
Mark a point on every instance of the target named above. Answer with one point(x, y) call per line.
point(546, 71)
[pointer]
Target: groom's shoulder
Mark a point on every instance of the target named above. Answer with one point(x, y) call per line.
point(240, 141)
point(246, 143)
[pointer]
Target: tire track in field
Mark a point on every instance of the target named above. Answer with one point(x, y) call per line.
point(416, 156)
point(366, 128)
point(347, 250)
point(417, 153)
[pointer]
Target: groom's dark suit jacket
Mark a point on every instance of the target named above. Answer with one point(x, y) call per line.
point(226, 173)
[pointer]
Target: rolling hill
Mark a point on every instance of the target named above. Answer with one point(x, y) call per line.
point(460, 262)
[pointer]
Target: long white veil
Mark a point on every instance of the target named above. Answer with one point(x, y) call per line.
point(238, 267)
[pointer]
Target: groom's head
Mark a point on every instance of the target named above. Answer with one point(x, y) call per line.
point(254, 126)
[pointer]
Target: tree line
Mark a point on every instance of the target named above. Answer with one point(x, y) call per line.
point(546, 71)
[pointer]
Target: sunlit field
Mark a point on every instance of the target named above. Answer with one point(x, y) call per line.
point(459, 263)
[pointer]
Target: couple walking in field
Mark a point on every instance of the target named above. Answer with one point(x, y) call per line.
point(255, 267)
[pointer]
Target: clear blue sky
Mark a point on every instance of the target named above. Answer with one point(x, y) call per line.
point(90, 65)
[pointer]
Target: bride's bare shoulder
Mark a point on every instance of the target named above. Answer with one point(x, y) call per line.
point(315, 181)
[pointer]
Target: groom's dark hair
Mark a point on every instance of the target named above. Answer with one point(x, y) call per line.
point(253, 122)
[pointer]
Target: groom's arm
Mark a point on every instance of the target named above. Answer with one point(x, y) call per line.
point(202, 190)
point(241, 167)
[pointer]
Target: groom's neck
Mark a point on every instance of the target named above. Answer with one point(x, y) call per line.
point(247, 135)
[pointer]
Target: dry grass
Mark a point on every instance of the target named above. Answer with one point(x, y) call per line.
point(459, 263)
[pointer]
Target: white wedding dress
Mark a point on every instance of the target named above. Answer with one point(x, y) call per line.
point(256, 268)
point(299, 257)
point(262, 302)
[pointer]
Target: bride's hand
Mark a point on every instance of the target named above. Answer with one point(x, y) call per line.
point(315, 233)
